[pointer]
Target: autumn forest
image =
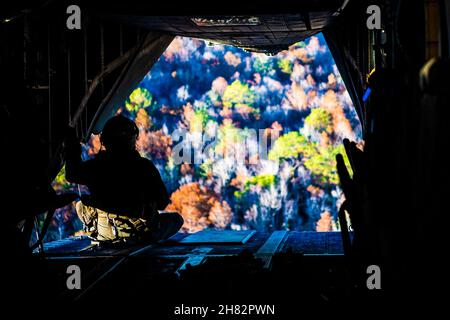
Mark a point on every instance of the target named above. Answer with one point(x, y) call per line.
point(288, 112)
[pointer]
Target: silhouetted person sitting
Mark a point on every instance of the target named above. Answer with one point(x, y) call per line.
point(126, 190)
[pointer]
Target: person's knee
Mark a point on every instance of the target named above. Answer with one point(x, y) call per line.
point(178, 218)
point(171, 219)
point(79, 207)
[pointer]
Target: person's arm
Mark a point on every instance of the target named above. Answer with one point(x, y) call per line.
point(158, 188)
point(75, 168)
point(161, 195)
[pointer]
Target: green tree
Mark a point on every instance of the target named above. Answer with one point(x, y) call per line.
point(139, 98)
point(320, 120)
point(291, 145)
point(238, 94)
point(262, 180)
point(263, 64)
point(199, 119)
point(319, 160)
point(322, 164)
point(285, 65)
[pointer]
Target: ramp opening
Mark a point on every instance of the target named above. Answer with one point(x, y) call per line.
point(242, 140)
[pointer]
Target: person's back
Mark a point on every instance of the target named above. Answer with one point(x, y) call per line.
point(121, 182)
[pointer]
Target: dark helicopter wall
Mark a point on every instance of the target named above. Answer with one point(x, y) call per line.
point(47, 69)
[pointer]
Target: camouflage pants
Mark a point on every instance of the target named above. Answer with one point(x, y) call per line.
point(105, 226)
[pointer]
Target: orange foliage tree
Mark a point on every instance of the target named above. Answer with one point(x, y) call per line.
point(325, 222)
point(200, 208)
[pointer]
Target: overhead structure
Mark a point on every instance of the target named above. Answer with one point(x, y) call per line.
point(257, 26)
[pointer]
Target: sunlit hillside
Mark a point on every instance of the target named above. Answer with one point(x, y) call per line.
point(242, 140)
